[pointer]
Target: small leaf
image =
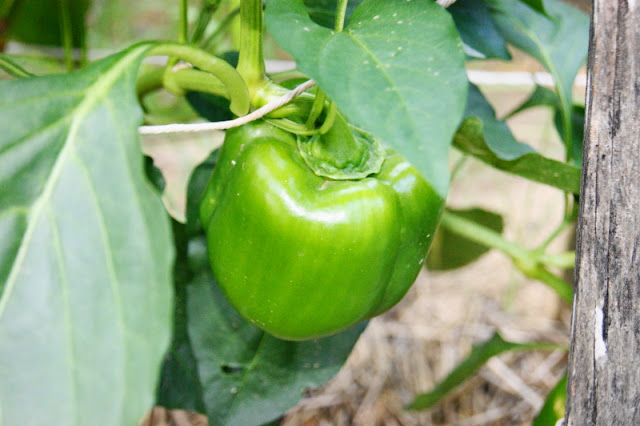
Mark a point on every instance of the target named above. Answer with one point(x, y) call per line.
point(558, 40)
point(249, 377)
point(479, 355)
point(397, 71)
point(85, 250)
point(541, 96)
point(490, 140)
point(554, 406)
point(479, 34)
point(450, 250)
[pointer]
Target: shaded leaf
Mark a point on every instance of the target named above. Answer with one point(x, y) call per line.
point(85, 250)
point(541, 96)
point(554, 405)
point(559, 41)
point(478, 32)
point(195, 191)
point(577, 132)
point(479, 355)
point(248, 376)
point(450, 250)
point(38, 22)
point(323, 12)
point(537, 5)
point(490, 140)
point(402, 60)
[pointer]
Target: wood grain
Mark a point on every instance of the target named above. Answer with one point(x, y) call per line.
point(604, 363)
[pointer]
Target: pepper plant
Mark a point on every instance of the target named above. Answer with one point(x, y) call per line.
point(316, 214)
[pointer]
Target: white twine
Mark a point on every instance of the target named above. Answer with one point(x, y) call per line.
point(228, 124)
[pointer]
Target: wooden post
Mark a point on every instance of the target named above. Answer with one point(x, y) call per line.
point(604, 362)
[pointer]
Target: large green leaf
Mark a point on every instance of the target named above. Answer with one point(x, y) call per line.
point(248, 376)
point(85, 251)
point(490, 140)
point(479, 355)
point(397, 71)
point(450, 250)
point(559, 41)
point(478, 32)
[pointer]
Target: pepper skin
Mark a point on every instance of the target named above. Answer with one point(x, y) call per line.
point(303, 256)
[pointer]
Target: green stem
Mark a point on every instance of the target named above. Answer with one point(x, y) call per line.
point(207, 9)
point(183, 36)
point(67, 33)
point(12, 68)
point(341, 11)
point(210, 41)
point(291, 126)
point(184, 80)
point(232, 81)
point(251, 61)
point(316, 109)
point(529, 262)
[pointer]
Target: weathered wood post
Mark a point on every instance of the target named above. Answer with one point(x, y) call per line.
point(604, 363)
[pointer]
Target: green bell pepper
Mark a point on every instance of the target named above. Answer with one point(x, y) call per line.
point(303, 256)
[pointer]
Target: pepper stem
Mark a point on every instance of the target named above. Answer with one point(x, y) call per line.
point(342, 152)
point(251, 60)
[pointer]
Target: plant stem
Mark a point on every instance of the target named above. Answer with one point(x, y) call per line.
point(341, 11)
point(67, 33)
point(530, 262)
point(251, 61)
point(208, 43)
point(207, 9)
point(183, 36)
point(232, 81)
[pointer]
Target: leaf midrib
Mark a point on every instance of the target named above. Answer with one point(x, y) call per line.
point(94, 94)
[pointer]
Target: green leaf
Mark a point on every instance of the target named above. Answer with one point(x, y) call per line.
point(479, 355)
point(248, 376)
point(490, 140)
point(577, 132)
point(38, 22)
point(559, 41)
point(478, 32)
point(38, 65)
point(323, 12)
point(397, 71)
point(554, 405)
point(450, 250)
point(85, 250)
point(537, 5)
point(542, 96)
